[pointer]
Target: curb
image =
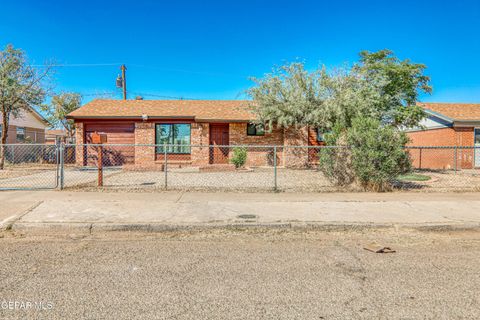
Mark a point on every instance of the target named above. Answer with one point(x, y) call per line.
point(98, 228)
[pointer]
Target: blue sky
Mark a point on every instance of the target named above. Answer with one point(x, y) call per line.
point(208, 49)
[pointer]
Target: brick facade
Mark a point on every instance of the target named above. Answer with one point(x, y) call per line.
point(443, 158)
point(295, 157)
point(257, 156)
point(199, 136)
point(145, 156)
point(79, 150)
point(144, 134)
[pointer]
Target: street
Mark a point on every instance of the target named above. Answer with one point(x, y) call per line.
point(242, 274)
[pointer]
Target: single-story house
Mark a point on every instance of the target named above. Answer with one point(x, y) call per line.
point(29, 126)
point(184, 122)
point(448, 125)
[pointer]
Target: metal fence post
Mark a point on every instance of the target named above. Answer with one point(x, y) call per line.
point(13, 154)
point(61, 164)
point(455, 159)
point(420, 160)
point(275, 168)
point(165, 166)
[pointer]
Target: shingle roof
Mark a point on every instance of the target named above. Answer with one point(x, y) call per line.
point(455, 111)
point(200, 110)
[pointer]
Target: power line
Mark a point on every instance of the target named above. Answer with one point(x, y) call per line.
point(163, 96)
point(77, 65)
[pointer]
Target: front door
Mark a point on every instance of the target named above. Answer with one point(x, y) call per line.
point(218, 138)
point(477, 147)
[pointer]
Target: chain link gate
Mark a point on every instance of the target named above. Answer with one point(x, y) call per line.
point(31, 166)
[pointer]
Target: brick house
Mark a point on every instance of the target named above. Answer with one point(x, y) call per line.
point(448, 125)
point(195, 123)
point(28, 126)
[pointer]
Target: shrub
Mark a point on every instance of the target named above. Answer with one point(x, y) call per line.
point(374, 158)
point(239, 157)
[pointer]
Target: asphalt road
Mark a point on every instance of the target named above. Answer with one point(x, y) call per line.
point(242, 275)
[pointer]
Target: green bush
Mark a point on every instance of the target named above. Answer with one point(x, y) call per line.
point(375, 155)
point(239, 157)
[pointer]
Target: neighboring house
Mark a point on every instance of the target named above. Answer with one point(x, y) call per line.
point(52, 136)
point(185, 122)
point(29, 126)
point(448, 125)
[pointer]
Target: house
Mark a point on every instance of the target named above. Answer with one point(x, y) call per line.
point(29, 126)
point(198, 123)
point(54, 135)
point(453, 125)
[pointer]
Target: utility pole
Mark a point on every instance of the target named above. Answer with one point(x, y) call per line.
point(124, 82)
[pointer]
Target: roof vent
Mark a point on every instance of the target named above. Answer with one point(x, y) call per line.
point(138, 98)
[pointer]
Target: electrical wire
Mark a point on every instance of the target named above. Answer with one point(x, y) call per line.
point(78, 65)
point(163, 96)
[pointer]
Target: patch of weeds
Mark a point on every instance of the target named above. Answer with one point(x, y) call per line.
point(413, 177)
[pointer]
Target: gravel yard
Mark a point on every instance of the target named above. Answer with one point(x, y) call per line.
point(254, 179)
point(262, 179)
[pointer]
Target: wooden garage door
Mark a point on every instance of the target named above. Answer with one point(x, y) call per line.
point(117, 133)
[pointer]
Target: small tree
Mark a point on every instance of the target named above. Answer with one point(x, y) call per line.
point(61, 105)
point(21, 86)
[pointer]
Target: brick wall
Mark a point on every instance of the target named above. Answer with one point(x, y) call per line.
point(144, 134)
point(295, 157)
point(200, 135)
point(442, 158)
point(79, 150)
point(257, 156)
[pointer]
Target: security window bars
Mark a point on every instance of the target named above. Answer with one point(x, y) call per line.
point(255, 130)
point(175, 135)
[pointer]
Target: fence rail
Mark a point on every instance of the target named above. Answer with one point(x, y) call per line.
point(140, 167)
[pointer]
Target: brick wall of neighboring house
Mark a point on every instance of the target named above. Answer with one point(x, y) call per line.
point(442, 158)
point(257, 156)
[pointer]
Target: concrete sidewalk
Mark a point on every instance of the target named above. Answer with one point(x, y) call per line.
point(89, 212)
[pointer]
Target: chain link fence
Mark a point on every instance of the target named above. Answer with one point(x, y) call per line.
point(217, 168)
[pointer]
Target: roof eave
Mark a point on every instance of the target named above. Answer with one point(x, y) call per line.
point(467, 123)
point(439, 115)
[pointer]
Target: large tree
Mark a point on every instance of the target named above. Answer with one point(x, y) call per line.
point(379, 85)
point(362, 108)
point(61, 105)
point(21, 87)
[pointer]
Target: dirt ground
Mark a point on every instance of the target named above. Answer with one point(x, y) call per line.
point(255, 179)
point(243, 274)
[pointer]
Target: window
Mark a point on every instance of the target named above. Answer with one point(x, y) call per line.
point(255, 130)
point(477, 136)
point(20, 134)
point(177, 135)
point(320, 137)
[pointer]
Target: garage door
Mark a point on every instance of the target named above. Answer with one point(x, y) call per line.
point(117, 133)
